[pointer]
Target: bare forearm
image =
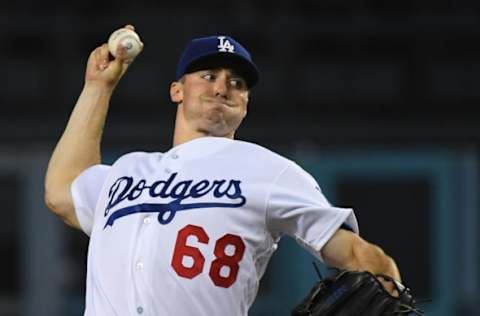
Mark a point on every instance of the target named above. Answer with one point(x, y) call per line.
point(369, 257)
point(79, 146)
point(77, 149)
point(347, 250)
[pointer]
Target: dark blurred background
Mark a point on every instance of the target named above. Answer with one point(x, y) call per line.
point(378, 100)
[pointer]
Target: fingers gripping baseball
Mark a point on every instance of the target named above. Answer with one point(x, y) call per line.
point(104, 69)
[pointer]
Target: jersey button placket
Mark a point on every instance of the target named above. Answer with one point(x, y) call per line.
point(147, 220)
point(172, 163)
point(139, 264)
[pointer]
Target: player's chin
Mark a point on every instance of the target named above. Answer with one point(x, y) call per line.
point(221, 125)
point(218, 128)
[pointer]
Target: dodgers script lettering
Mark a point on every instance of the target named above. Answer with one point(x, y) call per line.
point(128, 189)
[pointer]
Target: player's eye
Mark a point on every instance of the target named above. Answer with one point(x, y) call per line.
point(238, 83)
point(208, 76)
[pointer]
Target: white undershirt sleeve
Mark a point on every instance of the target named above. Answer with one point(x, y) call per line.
point(85, 191)
point(297, 207)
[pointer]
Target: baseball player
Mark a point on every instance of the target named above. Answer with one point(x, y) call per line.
point(190, 231)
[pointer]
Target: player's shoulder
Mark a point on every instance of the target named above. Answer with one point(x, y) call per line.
point(283, 167)
point(256, 151)
point(136, 157)
point(274, 157)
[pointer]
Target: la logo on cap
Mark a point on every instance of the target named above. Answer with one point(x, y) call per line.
point(225, 45)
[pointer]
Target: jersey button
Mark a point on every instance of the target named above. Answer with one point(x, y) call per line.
point(167, 170)
point(139, 265)
point(139, 309)
point(147, 220)
point(174, 156)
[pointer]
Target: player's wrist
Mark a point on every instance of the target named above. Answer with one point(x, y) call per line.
point(95, 87)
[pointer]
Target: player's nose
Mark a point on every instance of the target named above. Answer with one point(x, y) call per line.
point(220, 86)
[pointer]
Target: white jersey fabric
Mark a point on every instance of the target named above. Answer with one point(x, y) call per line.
point(190, 231)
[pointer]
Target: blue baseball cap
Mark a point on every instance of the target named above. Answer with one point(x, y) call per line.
point(217, 51)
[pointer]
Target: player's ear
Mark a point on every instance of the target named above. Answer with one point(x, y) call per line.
point(176, 92)
point(247, 98)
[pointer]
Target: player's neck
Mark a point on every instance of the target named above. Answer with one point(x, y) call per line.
point(184, 136)
point(180, 138)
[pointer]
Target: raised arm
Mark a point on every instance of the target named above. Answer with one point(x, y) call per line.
point(79, 146)
point(346, 250)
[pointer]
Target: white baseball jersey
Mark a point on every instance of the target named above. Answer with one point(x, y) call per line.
point(190, 231)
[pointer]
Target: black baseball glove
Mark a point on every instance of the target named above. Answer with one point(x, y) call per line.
point(356, 294)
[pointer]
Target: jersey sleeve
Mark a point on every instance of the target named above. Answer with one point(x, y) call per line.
point(85, 191)
point(297, 207)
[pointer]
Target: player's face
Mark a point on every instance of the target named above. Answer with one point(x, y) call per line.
point(213, 101)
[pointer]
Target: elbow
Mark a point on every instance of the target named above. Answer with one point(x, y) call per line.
point(57, 196)
point(57, 200)
point(60, 203)
point(51, 200)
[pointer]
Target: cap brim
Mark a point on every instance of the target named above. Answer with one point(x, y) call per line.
point(245, 68)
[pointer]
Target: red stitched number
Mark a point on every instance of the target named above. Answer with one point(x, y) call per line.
point(182, 250)
point(223, 259)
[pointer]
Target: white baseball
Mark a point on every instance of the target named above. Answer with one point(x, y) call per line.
point(128, 39)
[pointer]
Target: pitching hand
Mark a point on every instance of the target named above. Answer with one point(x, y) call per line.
point(103, 71)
